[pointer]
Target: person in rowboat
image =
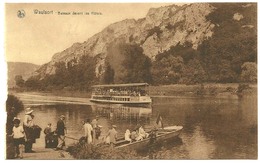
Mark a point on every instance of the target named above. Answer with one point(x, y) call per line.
point(142, 133)
point(159, 121)
point(112, 135)
point(127, 135)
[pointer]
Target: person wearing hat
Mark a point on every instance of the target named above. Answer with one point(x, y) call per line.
point(18, 137)
point(112, 134)
point(48, 135)
point(60, 131)
point(28, 124)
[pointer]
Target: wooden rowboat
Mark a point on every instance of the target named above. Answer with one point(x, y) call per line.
point(160, 136)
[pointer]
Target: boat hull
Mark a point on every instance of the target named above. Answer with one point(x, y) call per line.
point(121, 99)
point(119, 102)
point(138, 145)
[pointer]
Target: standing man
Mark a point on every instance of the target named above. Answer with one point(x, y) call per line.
point(61, 132)
point(28, 129)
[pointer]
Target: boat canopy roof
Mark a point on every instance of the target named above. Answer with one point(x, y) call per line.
point(120, 85)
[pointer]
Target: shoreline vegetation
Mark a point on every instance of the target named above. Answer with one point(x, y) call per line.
point(196, 90)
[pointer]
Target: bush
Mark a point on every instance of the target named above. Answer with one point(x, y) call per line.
point(230, 89)
point(213, 90)
point(10, 150)
point(88, 151)
point(200, 90)
point(13, 107)
point(242, 87)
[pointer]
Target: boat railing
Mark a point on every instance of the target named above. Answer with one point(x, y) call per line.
point(121, 93)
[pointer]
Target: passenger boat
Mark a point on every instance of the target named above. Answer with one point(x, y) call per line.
point(168, 133)
point(132, 93)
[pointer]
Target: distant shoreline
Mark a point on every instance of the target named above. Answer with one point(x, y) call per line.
point(174, 90)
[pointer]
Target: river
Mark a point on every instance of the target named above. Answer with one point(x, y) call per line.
point(214, 127)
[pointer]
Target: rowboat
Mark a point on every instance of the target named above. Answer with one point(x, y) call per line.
point(161, 135)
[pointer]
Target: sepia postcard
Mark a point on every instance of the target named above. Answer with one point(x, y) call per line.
point(131, 81)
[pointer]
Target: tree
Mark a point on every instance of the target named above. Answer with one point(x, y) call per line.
point(168, 70)
point(193, 73)
point(232, 44)
point(33, 83)
point(137, 65)
point(13, 107)
point(108, 76)
point(19, 80)
point(249, 72)
point(128, 63)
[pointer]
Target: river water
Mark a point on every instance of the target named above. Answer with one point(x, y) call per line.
point(214, 127)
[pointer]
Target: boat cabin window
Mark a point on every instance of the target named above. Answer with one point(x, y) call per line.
point(135, 89)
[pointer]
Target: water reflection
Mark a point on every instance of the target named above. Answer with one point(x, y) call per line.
point(126, 117)
point(123, 113)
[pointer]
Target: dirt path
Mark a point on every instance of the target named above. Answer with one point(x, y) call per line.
point(47, 154)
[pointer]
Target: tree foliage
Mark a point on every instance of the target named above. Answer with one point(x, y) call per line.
point(73, 75)
point(19, 80)
point(126, 63)
point(108, 76)
point(222, 58)
point(230, 55)
point(13, 107)
point(249, 72)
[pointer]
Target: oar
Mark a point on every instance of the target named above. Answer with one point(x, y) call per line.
point(71, 138)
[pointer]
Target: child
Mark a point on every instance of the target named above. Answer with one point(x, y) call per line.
point(48, 136)
point(18, 137)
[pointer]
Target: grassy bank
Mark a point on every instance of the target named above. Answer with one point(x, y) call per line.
point(63, 93)
point(202, 89)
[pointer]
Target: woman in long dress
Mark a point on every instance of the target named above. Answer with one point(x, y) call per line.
point(28, 124)
point(88, 131)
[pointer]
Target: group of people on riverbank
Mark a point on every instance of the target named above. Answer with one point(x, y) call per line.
point(92, 130)
point(26, 134)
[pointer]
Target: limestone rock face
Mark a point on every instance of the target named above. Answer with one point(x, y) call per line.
point(161, 29)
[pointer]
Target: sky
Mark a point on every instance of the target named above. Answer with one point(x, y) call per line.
point(35, 38)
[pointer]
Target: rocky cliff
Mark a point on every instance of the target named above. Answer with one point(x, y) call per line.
point(161, 29)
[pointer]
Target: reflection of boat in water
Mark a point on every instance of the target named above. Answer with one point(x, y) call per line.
point(122, 112)
point(168, 133)
point(134, 93)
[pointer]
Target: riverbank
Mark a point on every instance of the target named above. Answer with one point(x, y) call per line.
point(208, 89)
point(47, 154)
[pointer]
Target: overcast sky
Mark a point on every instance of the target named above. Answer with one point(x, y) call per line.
point(35, 38)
